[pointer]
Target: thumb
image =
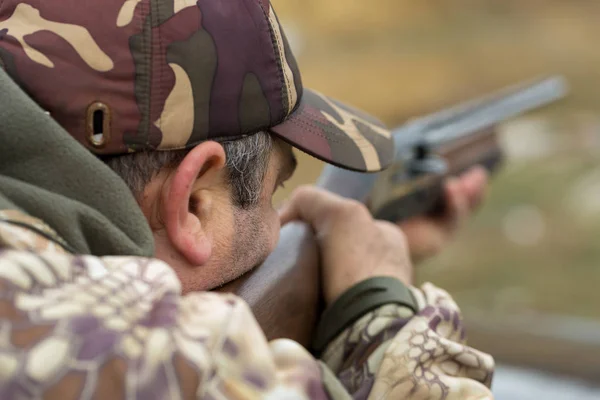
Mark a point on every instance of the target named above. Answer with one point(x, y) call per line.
point(458, 205)
point(286, 213)
point(475, 183)
point(424, 237)
point(311, 205)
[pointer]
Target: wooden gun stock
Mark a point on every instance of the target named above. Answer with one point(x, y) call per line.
point(284, 293)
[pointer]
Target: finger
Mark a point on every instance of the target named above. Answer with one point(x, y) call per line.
point(474, 184)
point(392, 230)
point(287, 213)
point(295, 207)
point(424, 237)
point(312, 205)
point(283, 212)
point(458, 203)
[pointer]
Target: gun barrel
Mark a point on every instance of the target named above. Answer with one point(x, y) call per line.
point(445, 143)
point(447, 126)
point(498, 108)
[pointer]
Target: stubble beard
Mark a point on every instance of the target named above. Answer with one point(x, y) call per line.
point(249, 247)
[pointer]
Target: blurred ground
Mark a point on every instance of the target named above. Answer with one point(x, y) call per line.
point(533, 248)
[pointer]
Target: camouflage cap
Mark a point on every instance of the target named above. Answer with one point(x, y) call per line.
point(131, 75)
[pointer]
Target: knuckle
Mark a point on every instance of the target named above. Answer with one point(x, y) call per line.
point(303, 189)
point(401, 236)
point(302, 192)
point(353, 208)
point(392, 229)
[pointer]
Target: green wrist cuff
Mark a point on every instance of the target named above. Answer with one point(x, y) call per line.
point(356, 302)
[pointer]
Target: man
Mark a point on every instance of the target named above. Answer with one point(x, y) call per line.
point(195, 106)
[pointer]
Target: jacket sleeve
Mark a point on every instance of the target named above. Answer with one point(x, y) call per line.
point(394, 353)
point(117, 327)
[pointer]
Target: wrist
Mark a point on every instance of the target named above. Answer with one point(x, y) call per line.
point(355, 302)
point(333, 294)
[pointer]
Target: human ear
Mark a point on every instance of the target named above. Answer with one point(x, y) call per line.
point(184, 205)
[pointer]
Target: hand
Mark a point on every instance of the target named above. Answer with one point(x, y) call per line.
point(427, 235)
point(353, 245)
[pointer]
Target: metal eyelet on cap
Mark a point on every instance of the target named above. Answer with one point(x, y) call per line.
point(98, 124)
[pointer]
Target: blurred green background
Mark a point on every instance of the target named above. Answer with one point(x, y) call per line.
point(534, 247)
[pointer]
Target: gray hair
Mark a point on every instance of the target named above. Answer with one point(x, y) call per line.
point(247, 161)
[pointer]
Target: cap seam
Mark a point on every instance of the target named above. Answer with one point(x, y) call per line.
point(293, 82)
point(212, 139)
point(311, 129)
point(150, 73)
point(160, 74)
point(277, 59)
point(281, 48)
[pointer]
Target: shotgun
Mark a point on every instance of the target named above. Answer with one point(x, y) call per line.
point(284, 292)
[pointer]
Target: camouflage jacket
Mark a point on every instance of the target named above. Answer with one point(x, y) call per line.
point(78, 326)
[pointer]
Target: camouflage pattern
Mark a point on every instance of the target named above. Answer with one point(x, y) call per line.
point(118, 328)
point(168, 74)
point(422, 356)
point(16, 233)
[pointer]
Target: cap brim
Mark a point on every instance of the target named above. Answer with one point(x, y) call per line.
point(337, 134)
